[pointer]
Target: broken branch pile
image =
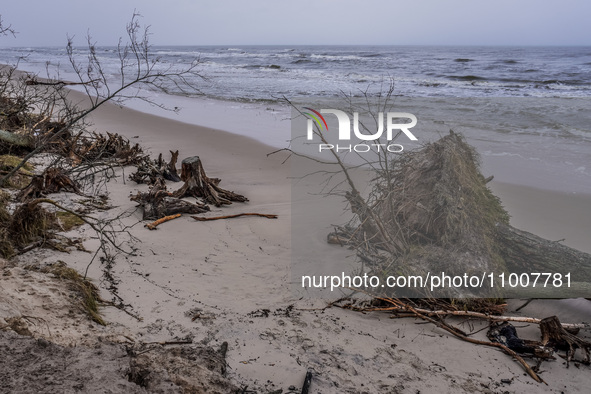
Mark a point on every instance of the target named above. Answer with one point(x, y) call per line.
point(149, 171)
point(555, 336)
point(158, 203)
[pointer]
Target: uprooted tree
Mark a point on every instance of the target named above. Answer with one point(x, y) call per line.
point(434, 203)
point(429, 210)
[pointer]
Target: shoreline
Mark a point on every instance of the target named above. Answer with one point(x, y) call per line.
point(545, 161)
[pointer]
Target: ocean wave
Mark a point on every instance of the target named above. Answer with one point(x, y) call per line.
point(302, 61)
point(261, 66)
point(333, 57)
point(261, 72)
point(431, 84)
point(469, 78)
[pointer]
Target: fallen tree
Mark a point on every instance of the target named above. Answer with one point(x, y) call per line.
point(435, 206)
point(526, 252)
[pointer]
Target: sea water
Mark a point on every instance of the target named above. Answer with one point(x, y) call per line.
point(525, 109)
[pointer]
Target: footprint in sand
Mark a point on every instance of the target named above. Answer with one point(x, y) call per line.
point(437, 368)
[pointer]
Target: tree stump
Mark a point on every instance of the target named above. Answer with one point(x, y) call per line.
point(171, 173)
point(199, 185)
point(554, 335)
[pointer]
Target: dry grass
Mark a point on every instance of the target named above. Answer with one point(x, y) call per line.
point(22, 177)
point(6, 248)
point(88, 292)
point(67, 221)
point(29, 223)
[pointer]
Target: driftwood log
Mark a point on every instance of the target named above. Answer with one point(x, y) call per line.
point(16, 139)
point(35, 81)
point(199, 185)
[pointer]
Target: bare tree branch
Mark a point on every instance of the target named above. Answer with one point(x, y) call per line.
point(138, 68)
point(6, 30)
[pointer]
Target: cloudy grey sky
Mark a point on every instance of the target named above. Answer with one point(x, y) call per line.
point(250, 22)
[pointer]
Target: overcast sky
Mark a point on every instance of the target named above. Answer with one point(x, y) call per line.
point(258, 22)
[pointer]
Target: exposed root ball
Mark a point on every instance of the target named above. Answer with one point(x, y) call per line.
point(29, 223)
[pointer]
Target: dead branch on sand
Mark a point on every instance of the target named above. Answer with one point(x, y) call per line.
point(156, 223)
point(204, 219)
point(555, 336)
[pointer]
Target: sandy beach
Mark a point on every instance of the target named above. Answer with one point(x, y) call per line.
point(268, 198)
point(231, 281)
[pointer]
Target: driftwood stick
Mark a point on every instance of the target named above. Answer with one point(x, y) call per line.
point(479, 315)
point(457, 333)
point(165, 343)
point(154, 224)
point(402, 306)
point(204, 219)
point(58, 83)
point(307, 382)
